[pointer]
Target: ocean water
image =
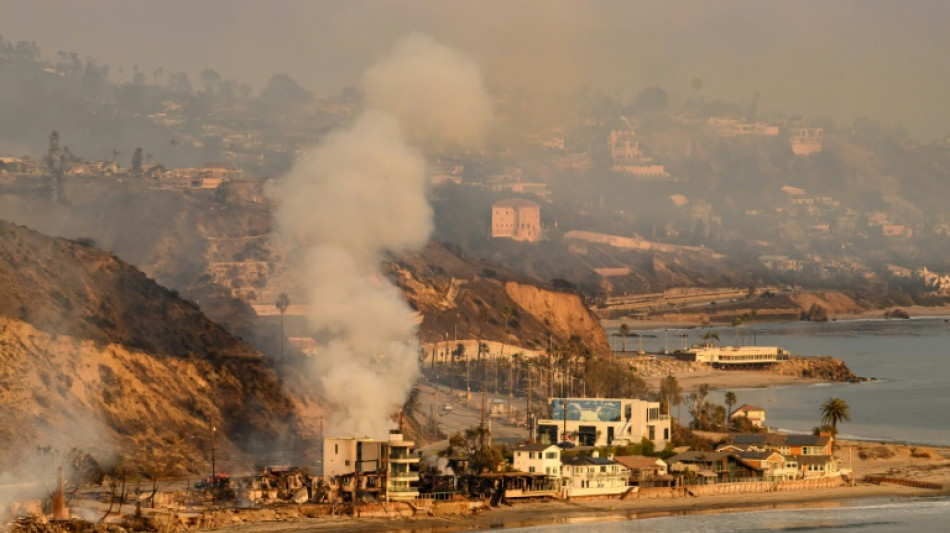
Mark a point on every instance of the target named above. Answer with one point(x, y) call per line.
point(909, 401)
point(922, 515)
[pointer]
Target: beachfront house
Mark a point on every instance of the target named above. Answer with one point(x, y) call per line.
point(584, 475)
point(807, 455)
point(707, 468)
point(538, 458)
point(771, 465)
point(645, 471)
point(604, 422)
point(818, 466)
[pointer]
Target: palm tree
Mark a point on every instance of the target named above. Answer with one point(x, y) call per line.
point(410, 407)
point(671, 390)
point(835, 410)
point(730, 401)
point(710, 335)
point(624, 331)
point(283, 302)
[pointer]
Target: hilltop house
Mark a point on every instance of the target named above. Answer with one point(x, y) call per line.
point(516, 219)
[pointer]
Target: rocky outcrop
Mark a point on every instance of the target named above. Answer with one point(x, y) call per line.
point(822, 367)
point(896, 313)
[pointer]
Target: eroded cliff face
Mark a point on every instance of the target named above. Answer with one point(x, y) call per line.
point(459, 298)
point(563, 312)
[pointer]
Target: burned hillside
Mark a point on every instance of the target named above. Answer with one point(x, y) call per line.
point(96, 354)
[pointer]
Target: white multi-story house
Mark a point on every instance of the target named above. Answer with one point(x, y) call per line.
point(358, 467)
point(604, 422)
point(584, 475)
point(538, 459)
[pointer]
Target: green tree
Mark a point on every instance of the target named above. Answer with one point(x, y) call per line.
point(624, 331)
point(652, 98)
point(835, 410)
point(283, 302)
point(136, 169)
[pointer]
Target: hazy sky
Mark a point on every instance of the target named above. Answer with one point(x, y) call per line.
point(843, 58)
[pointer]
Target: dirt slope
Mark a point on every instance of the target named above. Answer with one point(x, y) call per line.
point(94, 353)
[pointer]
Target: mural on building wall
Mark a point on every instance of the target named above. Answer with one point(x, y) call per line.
point(592, 410)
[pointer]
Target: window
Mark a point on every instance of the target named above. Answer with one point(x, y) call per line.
point(651, 430)
point(653, 413)
point(666, 433)
point(531, 469)
point(336, 449)
point(550, 455)
point(346, 463)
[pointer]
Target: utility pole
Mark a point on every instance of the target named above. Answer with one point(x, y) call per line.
point(527, 417)
point(214, 481)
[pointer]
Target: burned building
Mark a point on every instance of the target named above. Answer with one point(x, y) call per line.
point(364, 469)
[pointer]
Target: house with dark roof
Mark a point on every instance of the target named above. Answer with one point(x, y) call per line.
point(807, 455)
point(706, 468)
point(584, 475)
point(646, 471)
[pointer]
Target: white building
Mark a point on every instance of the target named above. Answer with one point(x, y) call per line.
point(538, 459)
point(584, 475)
point(363, 467)
point(734, 355)
point(604, 421)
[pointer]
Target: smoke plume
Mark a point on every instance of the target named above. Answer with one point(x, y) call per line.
point(360, 194)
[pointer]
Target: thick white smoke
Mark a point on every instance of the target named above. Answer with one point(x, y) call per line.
point(436, 92)
point(359, 194)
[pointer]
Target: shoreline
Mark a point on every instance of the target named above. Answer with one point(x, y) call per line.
point(915, 311)
point(541, 514)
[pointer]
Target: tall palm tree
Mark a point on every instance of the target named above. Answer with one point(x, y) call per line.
point(710, 335)
point(410, 407)
point(671, 390)
point(731, 400)
point(624, 331)
point(283, 302)
point(835, 410)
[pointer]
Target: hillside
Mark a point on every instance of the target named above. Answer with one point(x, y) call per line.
point(465, 298)
point(96, 355)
